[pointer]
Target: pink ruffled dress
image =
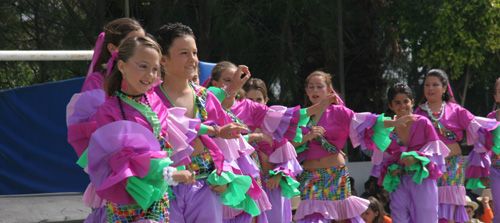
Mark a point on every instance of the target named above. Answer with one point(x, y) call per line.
point(450, 127)
point(326, 192)
point(414, 194)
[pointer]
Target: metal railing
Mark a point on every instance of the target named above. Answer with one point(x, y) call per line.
point(45, 55)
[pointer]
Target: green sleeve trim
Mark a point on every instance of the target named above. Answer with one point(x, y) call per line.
point(496, 141)
point(247, 137)
point(419, 171)
point(381, 134)
point(203, 129)
point(151, 187)
point(235, 195)
point(219, 93)
point(391, 182)
point(474, 183)
point(83, 161)
point(303, 118)
point(289, 186)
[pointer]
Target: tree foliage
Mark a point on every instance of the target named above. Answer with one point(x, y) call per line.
point(282, 41)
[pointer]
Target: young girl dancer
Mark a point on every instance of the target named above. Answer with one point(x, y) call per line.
point(450, 121)
point(199, 202)
point(83, 105)
point(412, 163)
point(324, 185)
point(495, 161)
point(126, 153)
point(275, 155)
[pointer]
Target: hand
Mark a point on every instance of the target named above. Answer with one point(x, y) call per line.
point(231, 130)
point(218, 188)
point(273, 182)
point(404, 121)
point(409, 160)
point(238, 81)
point(263, 137)
point(184, 176)
point(316, 131)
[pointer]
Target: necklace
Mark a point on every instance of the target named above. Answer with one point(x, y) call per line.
point(431, 114)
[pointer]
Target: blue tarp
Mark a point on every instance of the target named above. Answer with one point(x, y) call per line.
point(35, 156)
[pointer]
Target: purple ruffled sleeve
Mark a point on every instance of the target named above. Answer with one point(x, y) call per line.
point(480, 134)
point(181, 131)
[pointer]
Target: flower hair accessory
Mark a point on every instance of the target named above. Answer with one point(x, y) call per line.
point(97, 52)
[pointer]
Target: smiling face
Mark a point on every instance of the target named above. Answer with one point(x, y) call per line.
point(225, 79)
point(401, 105)
point(140, 71)
point(434, 89)
point(182, 58)
point(317, 89)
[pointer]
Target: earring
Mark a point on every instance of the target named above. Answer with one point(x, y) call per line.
point(124, 85)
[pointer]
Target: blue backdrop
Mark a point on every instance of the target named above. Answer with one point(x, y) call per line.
point(34, 154)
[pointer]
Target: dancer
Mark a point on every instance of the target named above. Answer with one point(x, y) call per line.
point(324, 185)
point(495, 162)
point(216, 173)
point(450, 121)
point(412, 163)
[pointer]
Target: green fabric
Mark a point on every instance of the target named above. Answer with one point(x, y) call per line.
point(145, 110)
point(203, 129)
point(419, 171)
point(496, 141)
point(219, 93)
point(391, 182)
point(235, 195)
point(83, 161)
point(247, 137)
point(381, 134)
point(303, 120)
point(151, 187)
point(289, 186)
point(474, 183)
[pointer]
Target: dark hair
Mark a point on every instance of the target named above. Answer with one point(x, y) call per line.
point(445, 81)
point(166, 34)
point(399, 88)
point(115, 31)
point(376, 206)
point(328, 82)
point(258, 85)
point(126, 50)
point(218, 69)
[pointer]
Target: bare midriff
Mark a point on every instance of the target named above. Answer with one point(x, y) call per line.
point(332, 160)
point(455, 149)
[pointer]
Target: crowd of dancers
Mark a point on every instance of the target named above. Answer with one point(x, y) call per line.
point(158, 146)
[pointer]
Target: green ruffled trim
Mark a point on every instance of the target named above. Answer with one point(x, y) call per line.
point(381, 134)
point(496, 141)
point(83, 161)
point(235, 195)
point(474, 183)
point(303, 120)
point(391, 182)
point(151, 187)
point(219, 93)
point(289, 186)
point(203, 129)
point(247, 137)
point(419, 171)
